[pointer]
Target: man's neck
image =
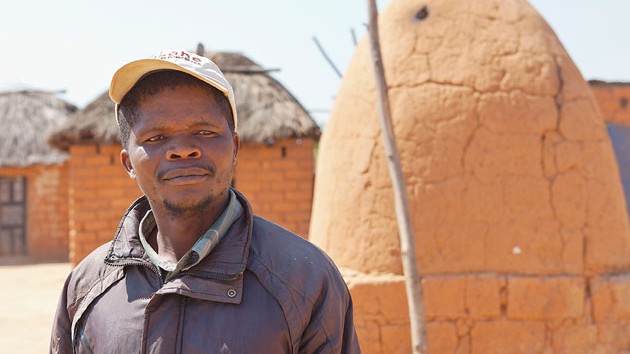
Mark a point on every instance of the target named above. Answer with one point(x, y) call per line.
point(176, 234)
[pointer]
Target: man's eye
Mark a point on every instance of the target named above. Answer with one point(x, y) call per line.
point(155, 138)
point(205, 132)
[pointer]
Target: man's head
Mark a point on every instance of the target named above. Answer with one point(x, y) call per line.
point(152, 84)
point(130, 77)
point(179, 140)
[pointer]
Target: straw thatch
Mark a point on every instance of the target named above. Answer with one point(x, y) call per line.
point(94, 124)
point(27, 118)
point(606, 83)
point(266, 110)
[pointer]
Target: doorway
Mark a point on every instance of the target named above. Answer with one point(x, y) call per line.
point(12, 216)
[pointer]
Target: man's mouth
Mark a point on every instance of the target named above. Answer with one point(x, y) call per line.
point(184, 176)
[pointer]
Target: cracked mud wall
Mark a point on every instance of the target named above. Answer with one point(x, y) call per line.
point(518, 210)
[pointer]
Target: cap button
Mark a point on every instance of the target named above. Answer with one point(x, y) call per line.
point(231, 293)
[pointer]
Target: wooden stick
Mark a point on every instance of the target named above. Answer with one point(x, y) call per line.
point(330, 62)
point(413, 285)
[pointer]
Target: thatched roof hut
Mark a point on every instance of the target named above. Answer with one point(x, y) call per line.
point(93, 124)
point(27, 118)
point(266, 110)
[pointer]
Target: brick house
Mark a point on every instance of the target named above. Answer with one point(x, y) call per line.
point(613, 99)
point(275, 167)
point(33, 192)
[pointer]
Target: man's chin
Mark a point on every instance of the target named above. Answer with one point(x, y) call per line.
point(187, 207)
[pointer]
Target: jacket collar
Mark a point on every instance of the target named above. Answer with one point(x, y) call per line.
point(229, 258)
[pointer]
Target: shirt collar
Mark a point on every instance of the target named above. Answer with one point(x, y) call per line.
point(202, 247)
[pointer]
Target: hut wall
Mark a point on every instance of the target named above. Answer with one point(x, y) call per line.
point(614, 101)
point(46, 210)
point(278, 181)
point(100, 191)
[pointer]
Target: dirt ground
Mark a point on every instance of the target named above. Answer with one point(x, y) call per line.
point(28, 300)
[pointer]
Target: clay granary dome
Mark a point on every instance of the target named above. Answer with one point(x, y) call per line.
point(514, 190)
point(503, 149)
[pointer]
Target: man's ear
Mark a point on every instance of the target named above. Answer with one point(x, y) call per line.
point(236, 139)
point(126, 162)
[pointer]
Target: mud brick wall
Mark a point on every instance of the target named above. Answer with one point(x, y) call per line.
point(613, 100)
point(278, 181)
point(46, 210)
point(47, 195)
point(100, 191)
point(497, 314)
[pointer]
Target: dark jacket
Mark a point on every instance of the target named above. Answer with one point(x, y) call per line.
point(261, 290)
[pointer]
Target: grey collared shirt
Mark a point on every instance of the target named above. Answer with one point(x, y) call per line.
point(202, 247)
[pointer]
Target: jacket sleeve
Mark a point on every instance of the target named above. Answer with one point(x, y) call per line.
point(61, 338)
point(331, 327)
point(350, 341)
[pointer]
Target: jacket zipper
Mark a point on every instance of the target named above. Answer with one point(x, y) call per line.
point(124, 263)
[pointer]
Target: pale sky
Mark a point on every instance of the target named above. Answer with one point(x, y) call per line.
point(76, 45)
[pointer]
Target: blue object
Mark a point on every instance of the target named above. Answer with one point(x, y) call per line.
point(620, 137)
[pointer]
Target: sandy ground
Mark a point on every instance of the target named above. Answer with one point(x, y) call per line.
point(28, 299)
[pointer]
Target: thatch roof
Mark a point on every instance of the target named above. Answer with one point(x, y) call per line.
point(608, 83)
point(26, 119)
point(93, 124)
point(266, 110)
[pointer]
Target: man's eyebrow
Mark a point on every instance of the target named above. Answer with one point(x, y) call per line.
point(200, 123)
point(151, 129)
point(163, 127)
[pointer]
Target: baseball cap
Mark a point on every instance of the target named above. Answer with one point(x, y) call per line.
point(180, 60)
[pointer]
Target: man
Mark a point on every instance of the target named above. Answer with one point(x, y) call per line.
point(191, 269)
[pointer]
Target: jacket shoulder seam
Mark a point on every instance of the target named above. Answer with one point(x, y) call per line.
point(94, 283)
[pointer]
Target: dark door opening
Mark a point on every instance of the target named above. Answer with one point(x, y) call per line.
point(12, 216)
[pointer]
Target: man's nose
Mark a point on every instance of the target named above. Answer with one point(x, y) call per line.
point(182, 149)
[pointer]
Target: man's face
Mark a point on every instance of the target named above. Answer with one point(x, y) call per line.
point(181, 151)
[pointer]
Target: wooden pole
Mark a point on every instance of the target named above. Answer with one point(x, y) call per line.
point(415, 297)
point(330, 62)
